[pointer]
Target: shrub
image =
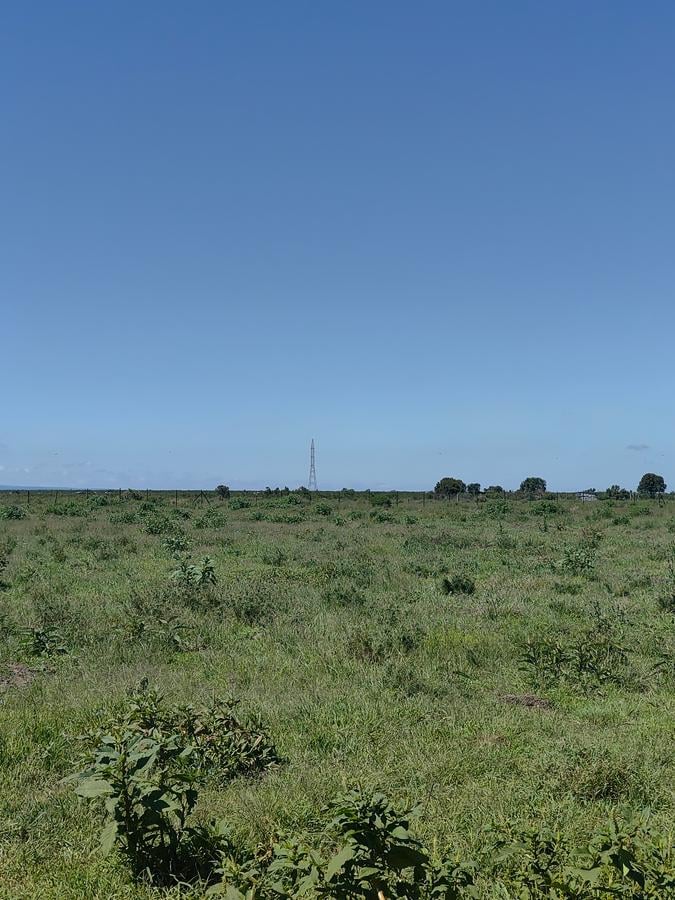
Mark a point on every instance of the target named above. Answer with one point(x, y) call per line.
point(12, 512)
point(223, 491)
point(146, 766)
point(366, 851)
point(176, 544)
point(192, 576)
point(162, 525)
point(69, 508)
point(126, 517)
point(579, 560)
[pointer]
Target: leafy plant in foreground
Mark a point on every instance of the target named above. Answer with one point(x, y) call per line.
point(44, 641)
point(593, 659)
point(146, 767)
point(192, 576)
point(366, 851)
point(12, 512)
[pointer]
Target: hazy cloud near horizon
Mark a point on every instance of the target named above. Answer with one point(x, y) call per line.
point(638, 448)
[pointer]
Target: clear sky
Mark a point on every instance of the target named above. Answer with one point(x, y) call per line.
point(437, 237)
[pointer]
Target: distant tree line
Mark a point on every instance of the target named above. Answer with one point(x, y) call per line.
point(650, 485)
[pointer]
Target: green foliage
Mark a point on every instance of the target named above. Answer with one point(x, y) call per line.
point(366, 851)
point(494, 489)
point(146, 767)
point(7, 546)
point(651, 485)
point(96, 501)
point(457, 584)
point(623, 860)
point(238, 503)
point(193, 576)
point(176, 544)
point(377, 499)
point(667, 598)
point(533, 485)
point(473, 488)
point(223, 491)
point(211, 519)
point(12, 512)
point(449, 487)
point(616, 492)
point(545, 508)
point(579, 559)
point(68, 508)
point(44, 641)
point(593, 659)
point(161, 525)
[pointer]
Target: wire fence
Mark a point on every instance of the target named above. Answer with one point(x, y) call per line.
point(25, 496)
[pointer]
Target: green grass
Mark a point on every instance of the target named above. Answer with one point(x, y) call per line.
point(333, 622)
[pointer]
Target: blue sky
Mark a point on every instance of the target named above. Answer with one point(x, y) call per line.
point(437, 237)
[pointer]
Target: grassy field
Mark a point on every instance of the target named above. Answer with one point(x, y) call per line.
point(507, 664)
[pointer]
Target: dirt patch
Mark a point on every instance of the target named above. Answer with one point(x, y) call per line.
point(528, 700)
point(19, 676)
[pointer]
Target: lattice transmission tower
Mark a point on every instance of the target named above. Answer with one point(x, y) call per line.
point(312, 469)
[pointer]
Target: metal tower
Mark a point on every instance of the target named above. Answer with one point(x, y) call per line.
point(312, 469)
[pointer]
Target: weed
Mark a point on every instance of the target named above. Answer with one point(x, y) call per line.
point(457, 584)
point(44, 641)
point(12, 512)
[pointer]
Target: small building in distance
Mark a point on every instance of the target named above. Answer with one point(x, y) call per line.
point(586, 496)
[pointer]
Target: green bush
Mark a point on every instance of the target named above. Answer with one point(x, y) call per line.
point(12, 512)
point(146, 766)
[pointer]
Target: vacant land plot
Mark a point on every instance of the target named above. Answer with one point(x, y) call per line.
point(508, 665)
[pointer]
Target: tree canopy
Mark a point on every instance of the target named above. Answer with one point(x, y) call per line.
point(616, 492)
point(449, 487)
point(652, 484)
point(533, 485)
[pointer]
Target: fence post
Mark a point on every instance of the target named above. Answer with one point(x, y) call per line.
point(175, 501)
point(28, 498)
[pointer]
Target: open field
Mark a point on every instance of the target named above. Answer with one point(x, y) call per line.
point(504, 663)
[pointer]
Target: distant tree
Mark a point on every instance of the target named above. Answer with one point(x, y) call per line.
point(303, 490)
point(651, 485)
point(348, 492)
point(494, 489)
point(533, 485)
point(223, 491)
point(449, 487)
point(473, 488)
point(615, 492)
